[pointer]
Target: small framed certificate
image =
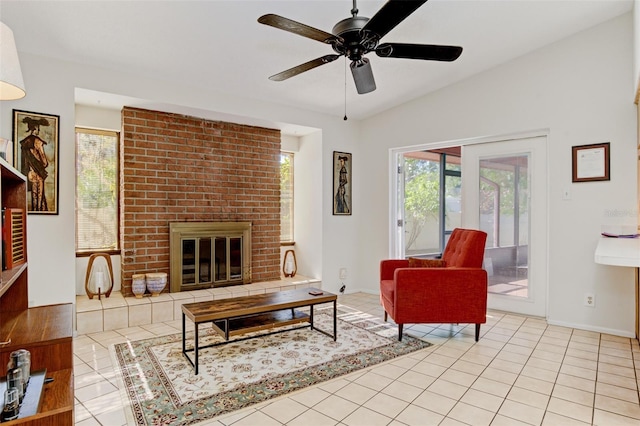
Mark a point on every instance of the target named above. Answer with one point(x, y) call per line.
point(590, 162)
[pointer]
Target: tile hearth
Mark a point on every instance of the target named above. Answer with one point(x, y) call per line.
point(117, 311)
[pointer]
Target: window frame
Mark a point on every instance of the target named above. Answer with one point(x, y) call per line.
point(291, 156)
point(102, 132)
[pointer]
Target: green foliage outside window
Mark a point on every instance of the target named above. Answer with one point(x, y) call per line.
point(422, 196)
point(96, 190)
point(496, 175)
point(286, 197)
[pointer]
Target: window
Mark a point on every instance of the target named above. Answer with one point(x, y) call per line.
point(432, 203)
point(286, 197)
point(96, 190)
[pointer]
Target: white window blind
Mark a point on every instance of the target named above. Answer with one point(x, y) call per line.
point(286, 197)
point(96, 190)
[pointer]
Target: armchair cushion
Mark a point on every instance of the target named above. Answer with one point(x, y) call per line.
point(415, 262)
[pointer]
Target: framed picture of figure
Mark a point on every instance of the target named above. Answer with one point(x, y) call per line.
point(342, 195)
point(36, 156)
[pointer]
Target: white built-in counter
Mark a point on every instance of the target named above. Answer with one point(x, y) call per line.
point(621, 252)
point(618, 252)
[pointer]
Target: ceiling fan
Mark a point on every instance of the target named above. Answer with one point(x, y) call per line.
point(356, 36)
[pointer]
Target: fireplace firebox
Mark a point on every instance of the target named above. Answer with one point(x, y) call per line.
point(209, 254)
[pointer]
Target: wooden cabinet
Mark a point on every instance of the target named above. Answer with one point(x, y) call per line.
point(45, 331)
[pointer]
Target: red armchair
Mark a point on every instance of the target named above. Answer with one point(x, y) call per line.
point(454, 293)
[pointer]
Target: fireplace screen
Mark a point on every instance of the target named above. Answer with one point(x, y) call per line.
point(203, 256)
point(202, 266)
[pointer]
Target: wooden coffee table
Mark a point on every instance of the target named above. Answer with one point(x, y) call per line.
point(246, 314)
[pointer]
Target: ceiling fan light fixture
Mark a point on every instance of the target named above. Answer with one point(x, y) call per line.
point(363, 76)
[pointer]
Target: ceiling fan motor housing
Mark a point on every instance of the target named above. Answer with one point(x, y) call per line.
point(355, 43)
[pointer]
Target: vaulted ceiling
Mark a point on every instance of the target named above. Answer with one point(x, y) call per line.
point(220, 46)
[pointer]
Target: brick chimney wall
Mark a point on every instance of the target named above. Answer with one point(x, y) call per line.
point(177, 168)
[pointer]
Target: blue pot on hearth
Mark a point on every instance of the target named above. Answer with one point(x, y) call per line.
point(156, 282)
point(138, 285)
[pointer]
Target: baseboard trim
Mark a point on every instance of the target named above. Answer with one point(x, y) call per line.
point(586, 327)
point(361, 290)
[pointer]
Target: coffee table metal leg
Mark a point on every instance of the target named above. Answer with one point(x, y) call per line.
point(311, 316)
point(184, 335)
point(335, 321)
point(196, 346)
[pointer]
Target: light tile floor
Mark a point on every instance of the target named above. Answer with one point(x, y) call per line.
point(521, 372)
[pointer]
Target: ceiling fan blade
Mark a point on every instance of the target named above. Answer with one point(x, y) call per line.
point(429, 52)
point(363, 76)
point(292, 72)
point(303, 30)
point(391, 14)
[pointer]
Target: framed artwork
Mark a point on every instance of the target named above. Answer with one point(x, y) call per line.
point(36, 155)
point(590, 162)
point(342, 195)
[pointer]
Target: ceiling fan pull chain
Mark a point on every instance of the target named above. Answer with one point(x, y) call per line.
point(345, 84)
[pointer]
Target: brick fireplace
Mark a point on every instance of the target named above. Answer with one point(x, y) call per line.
point(177, 168)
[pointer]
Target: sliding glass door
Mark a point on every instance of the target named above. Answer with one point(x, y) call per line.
point(504, 194)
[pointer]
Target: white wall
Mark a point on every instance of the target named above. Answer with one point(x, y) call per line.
point(51, 238)
point(98, 118)
point(308, 215)
point(636, 44)
point(50, 89)
point(582, 89)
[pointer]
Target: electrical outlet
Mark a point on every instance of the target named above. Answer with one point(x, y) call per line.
point(343, 273)
point(590, 300)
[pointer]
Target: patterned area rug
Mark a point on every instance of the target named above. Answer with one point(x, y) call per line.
point(160, 387)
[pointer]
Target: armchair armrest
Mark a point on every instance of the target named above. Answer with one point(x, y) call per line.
point(388, 267)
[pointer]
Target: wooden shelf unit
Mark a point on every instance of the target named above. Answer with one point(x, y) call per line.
point(45, 331)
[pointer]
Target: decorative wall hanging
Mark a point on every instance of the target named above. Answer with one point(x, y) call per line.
point(342, 196)
point(36, 156)
point(590, 162)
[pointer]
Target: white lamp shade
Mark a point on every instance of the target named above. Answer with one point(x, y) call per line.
point(11, 83)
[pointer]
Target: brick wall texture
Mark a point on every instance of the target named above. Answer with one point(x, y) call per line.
point(177, 168)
